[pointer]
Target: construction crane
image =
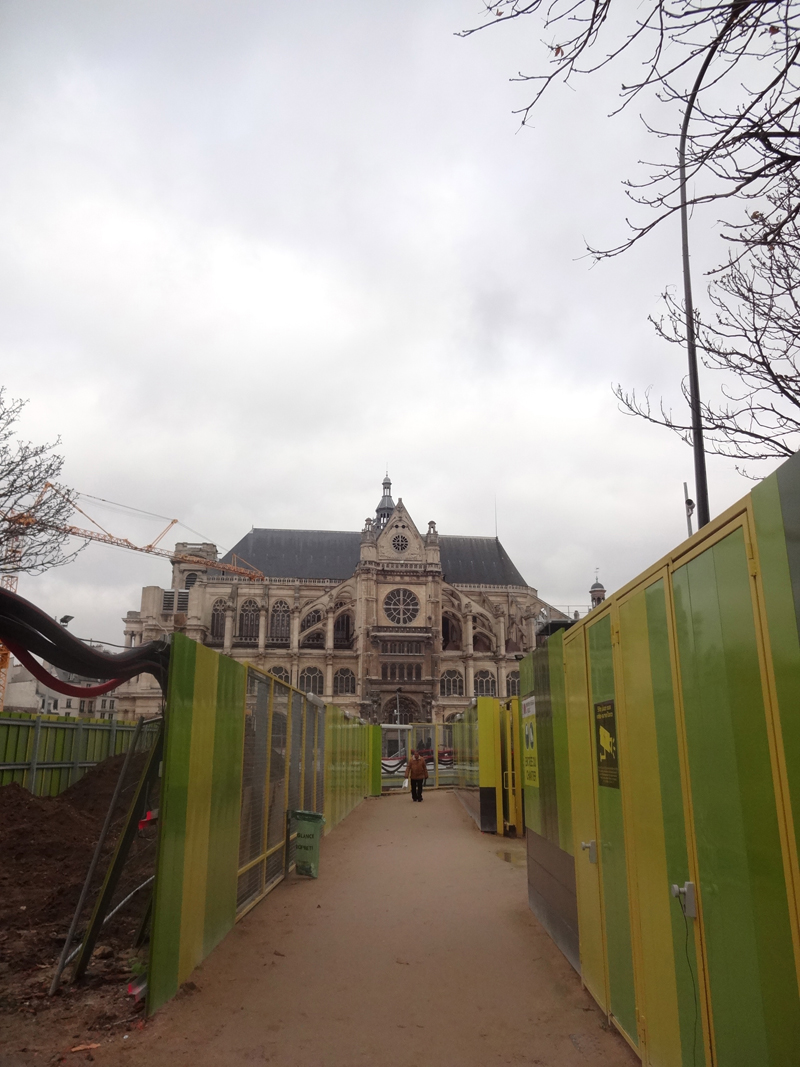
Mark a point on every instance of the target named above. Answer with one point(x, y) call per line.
point(26, 518)
point(23, 520)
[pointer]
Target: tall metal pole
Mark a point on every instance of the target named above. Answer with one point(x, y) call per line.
point(698, 445)
point(700, 478)
point(397, 707)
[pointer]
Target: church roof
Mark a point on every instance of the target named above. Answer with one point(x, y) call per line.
point(335, 554)
point(319, 554)
point(477, 561)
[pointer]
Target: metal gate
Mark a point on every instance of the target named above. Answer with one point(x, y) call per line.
point(433, 740)
point(282, 770)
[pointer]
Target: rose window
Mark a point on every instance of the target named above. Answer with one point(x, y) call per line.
point(401, 607)
point(400, 543)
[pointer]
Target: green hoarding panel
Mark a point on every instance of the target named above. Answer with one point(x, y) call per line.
point(677, 860)
point(168, 894)
point(612, 838)
point(776, 508)
point(226, 802)
point(752, 978)
point(558, 698)
point(527, 684)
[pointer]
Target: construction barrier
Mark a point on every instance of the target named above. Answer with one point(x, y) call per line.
point(486, 751)
point(347, 751)
point(434, 741)
point(242, 749)
point(48, 753)
point(662, 792)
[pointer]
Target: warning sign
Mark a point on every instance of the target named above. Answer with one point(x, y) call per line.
point(605, 727)
point(530, 750)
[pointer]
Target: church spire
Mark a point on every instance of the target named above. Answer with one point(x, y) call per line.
point(384, 510)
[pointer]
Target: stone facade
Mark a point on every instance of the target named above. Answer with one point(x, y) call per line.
point(392, 635)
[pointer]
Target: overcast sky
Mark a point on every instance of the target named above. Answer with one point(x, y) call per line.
point(251, 252)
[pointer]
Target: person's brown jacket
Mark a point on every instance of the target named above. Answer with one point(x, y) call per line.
point(417, 768)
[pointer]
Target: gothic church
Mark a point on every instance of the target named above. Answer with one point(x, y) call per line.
point(389, 620)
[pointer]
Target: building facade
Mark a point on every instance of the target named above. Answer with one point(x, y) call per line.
point(391, 623)
point(24, 692)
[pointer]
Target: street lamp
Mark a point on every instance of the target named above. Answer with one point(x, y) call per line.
point(700, 477)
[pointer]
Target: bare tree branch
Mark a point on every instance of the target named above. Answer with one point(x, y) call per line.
point(744, 137)
point(30, 517)
point(754, 341)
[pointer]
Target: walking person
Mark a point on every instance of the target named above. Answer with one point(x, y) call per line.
point(417, 771)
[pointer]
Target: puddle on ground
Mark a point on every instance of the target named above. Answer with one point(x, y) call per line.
point(516, 859)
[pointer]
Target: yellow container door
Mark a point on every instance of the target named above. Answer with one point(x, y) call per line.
point(584, 820)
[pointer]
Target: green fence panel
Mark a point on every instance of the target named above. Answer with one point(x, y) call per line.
point(752, 975)
point(66, 748)
point(195, 891)
point(613, 868)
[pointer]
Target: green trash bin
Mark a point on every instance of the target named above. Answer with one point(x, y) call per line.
point(308, 826)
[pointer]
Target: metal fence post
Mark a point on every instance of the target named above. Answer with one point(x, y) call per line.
point(62, 962)
point(76, 753)
point(37, 730)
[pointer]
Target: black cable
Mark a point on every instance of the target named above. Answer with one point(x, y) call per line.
point(22, 623)
point(141, 511)
point(694, 986)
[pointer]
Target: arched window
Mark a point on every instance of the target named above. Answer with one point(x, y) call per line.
point(393, 673)
point(316, 639)
point(512, 684)
point(418, 673)
point(190, 580)
point(248, 621)
point(311, 619)
point(344, 682)
point(451, 634)
point(408, 710)
point(311, 680)
point(343, 630)
point(385, 672)
point(218, 620)
point(279, 622)
point(279, 672)
point(485, 684)
point(451, 684)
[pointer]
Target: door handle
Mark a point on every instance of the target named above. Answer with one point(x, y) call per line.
point(688, 898)
point(591, 848)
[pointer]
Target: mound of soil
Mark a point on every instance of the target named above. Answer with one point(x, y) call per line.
point(93, 792)
point(46, 844)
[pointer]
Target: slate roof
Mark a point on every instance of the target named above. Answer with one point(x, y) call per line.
point(334, 555)
point(477, 561)
point(317, 554)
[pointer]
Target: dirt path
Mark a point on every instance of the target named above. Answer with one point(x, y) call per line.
point(415, 946)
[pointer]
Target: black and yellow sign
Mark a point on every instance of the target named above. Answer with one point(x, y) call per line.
point(530, 761)
point(605, 732)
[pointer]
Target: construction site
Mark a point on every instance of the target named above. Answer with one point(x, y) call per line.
point(603, 870)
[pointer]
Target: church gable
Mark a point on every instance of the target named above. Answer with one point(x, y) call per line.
point(400, 540)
